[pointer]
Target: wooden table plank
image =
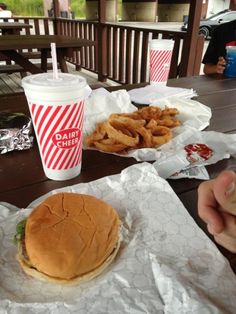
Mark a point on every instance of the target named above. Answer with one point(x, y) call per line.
point(14, 102)
point(22, 61)
point(12, 45)
point(13, 28)
point(11, 82)
point(4, 88)
point(205, 85)
point(15, 42)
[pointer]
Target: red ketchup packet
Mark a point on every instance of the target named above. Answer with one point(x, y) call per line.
point(187, 157)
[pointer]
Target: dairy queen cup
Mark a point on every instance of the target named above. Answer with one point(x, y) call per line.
point(160, 59)
point(57, 111)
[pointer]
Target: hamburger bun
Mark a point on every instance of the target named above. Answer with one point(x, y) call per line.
point(69, 238)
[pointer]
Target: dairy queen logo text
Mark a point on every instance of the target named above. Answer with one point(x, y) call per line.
point(66, 138)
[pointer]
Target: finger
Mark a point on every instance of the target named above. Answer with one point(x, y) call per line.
point(207, 208)
point(221, 63)
point(211, 230)
point(220, 67)
point(220, 70)
point(221, 59)
point(227, 238)
point(228, 242)
point(230, 225)
point(224, 187)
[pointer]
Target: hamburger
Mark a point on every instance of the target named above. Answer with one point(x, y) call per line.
point(69, 238)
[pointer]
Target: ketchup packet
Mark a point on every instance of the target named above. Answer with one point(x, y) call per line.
point(186, 157)
point(15, 132)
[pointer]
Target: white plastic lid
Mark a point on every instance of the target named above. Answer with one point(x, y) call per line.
point(162, 44)
point(46, 80)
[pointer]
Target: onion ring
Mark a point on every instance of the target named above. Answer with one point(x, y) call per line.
point(129, 123)
point(132, 115)
point(150, 112)
point(120, 137)
point(109, 145)
point(161, 135)
point(146, 137)
point(169, 122)
point(145, 128)
point(170, 111)
point(97, 135)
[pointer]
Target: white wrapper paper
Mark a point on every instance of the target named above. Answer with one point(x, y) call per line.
point(174, 157)
point(154, 93)
point(101, 104)
point(166, 264)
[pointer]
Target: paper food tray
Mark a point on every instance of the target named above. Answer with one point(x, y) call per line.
point(101, 104)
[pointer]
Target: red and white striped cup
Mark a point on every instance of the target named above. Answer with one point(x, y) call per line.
point(57, 111)
point(160, 59)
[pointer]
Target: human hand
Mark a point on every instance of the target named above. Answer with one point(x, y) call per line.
point(217, 207)
point(220, 66)
point(210, 68)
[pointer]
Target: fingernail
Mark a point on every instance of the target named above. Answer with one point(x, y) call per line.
point(230, 189)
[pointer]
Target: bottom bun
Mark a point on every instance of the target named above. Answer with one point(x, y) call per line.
point(29, 270)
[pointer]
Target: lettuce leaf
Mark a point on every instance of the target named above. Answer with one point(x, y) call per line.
point(20, 231)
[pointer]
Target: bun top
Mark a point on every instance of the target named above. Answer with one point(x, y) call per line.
point(69, 235)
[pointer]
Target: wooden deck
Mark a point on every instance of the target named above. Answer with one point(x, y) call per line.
point(12, 94)
point(11, 83)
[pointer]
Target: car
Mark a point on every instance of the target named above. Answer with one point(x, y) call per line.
point(209, 24)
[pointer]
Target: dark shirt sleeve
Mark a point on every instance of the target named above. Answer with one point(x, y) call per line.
point(221, 36)
point(211, 55)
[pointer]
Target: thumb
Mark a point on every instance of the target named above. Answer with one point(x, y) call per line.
point(224, 189)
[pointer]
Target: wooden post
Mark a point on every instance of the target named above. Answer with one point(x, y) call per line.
point(232, 5)
point(191, 40)
point(198, 55)
point(56, 10)
point(102, 42)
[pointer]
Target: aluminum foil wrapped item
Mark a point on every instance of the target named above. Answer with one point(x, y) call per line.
point(15, 132)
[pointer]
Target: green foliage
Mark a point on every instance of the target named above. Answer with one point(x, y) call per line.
point(35, 7)
point(25, 7)
point(78, 6)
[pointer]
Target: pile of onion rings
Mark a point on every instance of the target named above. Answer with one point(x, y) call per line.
point(147, 127)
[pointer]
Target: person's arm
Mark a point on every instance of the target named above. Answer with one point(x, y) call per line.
point(218, 68)
point(214, 60)
point(217, 207)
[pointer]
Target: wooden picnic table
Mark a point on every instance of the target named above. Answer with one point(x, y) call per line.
point(13, 28)
point(22, 178)
point(11, 47)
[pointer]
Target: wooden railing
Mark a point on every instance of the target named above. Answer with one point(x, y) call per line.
point(40, 25)
point(87, 57)
point(128, 52)
point(120, 52)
